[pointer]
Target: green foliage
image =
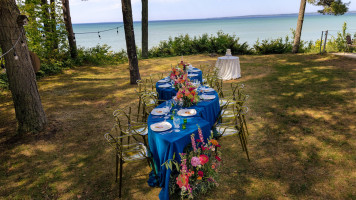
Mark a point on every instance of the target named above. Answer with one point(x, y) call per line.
point(335, 44)
point(279, 46)
point(339, 43)
point(185, 45)
point(100, 55)
point(46, 36)
point(274, 46)
point(4, 83)
point(331, 7)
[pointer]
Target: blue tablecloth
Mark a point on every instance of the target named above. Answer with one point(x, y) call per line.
point(199, 73)
point(164, 145)
point(169, 92)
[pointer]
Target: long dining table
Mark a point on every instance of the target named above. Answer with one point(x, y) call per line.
point(163, 145)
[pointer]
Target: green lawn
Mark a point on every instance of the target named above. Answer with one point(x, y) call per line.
point(302, 133)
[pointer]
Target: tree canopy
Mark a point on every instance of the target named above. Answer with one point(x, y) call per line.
point(331, 7)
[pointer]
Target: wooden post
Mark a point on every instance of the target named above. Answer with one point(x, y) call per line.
point(326, 37)
point(321, 40)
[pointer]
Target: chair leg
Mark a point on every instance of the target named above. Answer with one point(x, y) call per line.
point(244, 120)
point(120, 181)
point(116, 169)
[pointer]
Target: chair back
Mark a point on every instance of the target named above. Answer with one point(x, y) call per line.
point(121, 141)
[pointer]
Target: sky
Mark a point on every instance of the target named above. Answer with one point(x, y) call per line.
point(91, 11)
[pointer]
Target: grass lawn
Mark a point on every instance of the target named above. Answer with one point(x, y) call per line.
point(302, 139)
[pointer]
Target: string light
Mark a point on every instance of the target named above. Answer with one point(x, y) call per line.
point(15, 56)
point(117, 30)
point(74, 37)
point(99, 35)
point(91, 32)
point(8, 51)
point(22, 43)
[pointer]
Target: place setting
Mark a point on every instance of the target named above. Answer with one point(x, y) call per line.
point(166, 85)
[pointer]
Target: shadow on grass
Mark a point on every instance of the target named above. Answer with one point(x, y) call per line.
point(302, 145)
point(302, 142)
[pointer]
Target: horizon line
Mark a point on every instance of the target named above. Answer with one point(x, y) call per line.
point(227, 17)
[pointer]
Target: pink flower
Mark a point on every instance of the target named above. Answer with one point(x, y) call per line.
point(193, 142)
point(195, 161)
point(200, 173)
point(184, 165)
point(203, 159)
point(218, 158)
point(201, 135)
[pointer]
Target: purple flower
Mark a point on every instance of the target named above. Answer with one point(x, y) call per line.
point(195, 161)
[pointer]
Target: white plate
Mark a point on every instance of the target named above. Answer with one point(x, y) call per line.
point(162, 81)
point(207, 97)
point(192, 75)
point(187, 112)
point(164, 85)
point(208, 89)
point(159, 111)
point(161, 126)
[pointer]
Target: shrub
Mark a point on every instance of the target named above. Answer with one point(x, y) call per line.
point(274, 46)
point(99, 55)
point(185, 45)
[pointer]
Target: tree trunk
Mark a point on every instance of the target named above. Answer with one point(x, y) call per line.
point(144, 28)
point(130, 41)
point(54, 24)
point(46, 18)
point(22, 80)
point(298, 31)
point(68, 23)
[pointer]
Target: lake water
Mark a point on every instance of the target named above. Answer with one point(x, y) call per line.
point(248, 29)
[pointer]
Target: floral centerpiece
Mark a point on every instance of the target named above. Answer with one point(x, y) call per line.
point(198, 170)
point(187, 95)
point(176, 73)
point(179, 70)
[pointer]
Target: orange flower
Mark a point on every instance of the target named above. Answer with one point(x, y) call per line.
point(199, 178)
point(214, 142)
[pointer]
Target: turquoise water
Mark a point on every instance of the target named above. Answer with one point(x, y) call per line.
point(249, 29)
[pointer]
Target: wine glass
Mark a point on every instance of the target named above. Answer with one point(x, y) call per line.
point(175, 102)
point(167, 108)
point(176, 123)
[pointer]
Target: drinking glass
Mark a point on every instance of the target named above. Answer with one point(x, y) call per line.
point(176, 123)
point(175, 102)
